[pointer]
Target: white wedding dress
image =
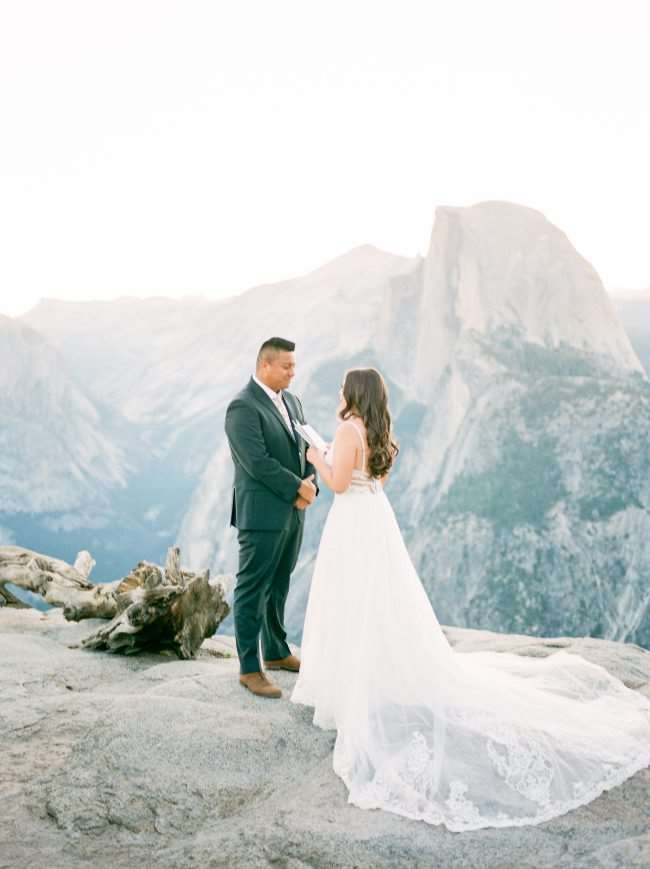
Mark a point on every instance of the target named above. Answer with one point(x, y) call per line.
point(468, 740)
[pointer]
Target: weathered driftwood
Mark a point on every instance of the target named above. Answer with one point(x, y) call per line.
point(163, 609)
point(151, 608)
point(58, 583)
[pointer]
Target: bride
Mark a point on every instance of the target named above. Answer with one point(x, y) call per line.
point(468, 740)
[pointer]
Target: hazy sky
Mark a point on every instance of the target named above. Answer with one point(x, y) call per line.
point(191, 147)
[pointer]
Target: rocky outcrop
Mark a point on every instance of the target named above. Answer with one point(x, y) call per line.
point(116, 761)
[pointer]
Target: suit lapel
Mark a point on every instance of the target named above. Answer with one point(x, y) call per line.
point(266, 402)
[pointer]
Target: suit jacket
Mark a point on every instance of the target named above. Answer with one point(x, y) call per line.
point(269, 464)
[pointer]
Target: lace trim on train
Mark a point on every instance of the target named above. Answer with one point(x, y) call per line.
point(408, 784)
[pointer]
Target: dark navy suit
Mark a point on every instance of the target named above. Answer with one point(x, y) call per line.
point(270, 465)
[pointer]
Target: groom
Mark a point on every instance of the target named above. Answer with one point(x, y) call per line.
point(273, 487)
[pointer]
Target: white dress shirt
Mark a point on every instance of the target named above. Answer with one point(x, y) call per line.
point(276, 398)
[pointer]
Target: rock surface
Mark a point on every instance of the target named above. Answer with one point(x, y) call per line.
point(115, 762)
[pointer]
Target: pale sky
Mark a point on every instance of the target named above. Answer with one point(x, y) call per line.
point(173, 147)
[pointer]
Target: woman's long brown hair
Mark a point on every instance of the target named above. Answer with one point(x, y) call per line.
point(366, 395)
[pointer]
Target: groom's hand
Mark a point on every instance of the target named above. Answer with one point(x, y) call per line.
point(300, 503)
point(307, 490)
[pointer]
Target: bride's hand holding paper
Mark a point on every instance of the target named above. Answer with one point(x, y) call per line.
point(316, 456)
point(317, 446)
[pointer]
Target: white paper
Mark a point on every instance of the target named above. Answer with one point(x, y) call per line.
point(309, 434)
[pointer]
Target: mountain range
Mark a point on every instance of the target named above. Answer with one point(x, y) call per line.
point(518, 393)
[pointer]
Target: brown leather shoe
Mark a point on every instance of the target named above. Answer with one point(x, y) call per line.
point(260, 685)
point(291, 662)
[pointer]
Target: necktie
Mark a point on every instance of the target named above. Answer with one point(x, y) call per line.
point(283, 410)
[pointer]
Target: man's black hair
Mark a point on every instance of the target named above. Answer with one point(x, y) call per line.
point(274, 345)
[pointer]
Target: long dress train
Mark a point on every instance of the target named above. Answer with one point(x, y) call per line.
point(468, 740)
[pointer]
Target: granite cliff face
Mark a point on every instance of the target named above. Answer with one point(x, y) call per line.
point(522, 409)
point(497, 269)
point(114, 761)
point(55, 452)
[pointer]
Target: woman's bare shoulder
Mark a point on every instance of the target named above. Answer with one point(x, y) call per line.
point(347, 425)
point(344, 431)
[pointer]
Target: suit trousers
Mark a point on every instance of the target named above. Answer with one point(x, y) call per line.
point(266, 560)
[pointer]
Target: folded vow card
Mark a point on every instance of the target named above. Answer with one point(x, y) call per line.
point(309, 434)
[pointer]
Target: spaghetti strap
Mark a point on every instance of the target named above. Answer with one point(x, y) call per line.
point(363, 448)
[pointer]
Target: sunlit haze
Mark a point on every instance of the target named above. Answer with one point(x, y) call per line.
point(174, 148)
